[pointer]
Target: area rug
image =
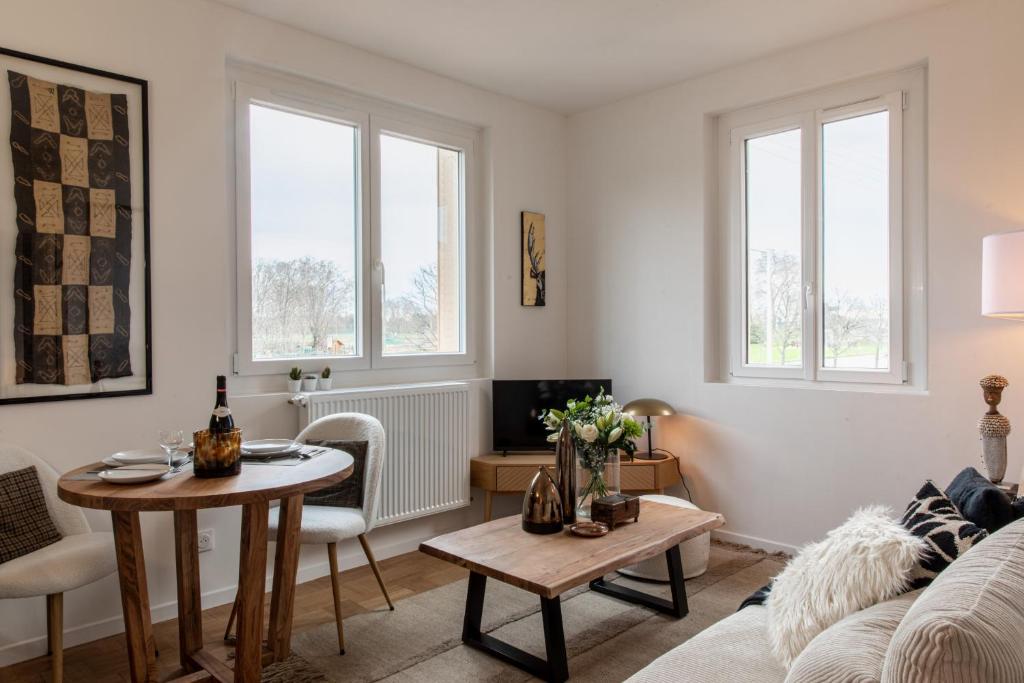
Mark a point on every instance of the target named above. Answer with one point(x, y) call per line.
point(606, 639)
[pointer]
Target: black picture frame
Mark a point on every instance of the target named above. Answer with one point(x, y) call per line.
point(143, 86)
point(532, 255)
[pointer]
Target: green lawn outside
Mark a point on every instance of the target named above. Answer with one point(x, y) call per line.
point(756, 353)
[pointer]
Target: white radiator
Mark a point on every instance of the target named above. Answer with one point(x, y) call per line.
point(426, 463)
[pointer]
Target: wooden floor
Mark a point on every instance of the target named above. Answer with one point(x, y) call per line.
point(105, 661)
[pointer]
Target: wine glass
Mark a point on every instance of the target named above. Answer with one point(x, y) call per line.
point(170, 441)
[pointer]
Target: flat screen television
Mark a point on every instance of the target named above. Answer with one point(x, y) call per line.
point(517, 406)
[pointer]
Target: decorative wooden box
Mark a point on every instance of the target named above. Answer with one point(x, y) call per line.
point(614, 510)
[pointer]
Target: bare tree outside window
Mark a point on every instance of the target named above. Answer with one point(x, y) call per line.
point(846, 326)
point(302, 307)
point(414, 316)
point(775, 322)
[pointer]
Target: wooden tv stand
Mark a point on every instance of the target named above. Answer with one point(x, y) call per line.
point(504, 475)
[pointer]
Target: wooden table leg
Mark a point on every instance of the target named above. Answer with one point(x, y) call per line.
point(190, 607)
point(252, 577)
point(131, 570)
point(286, 566)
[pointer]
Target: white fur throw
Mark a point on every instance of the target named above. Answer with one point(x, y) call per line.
point(867, 559)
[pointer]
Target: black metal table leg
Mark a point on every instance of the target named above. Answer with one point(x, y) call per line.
point(676, 608)
point(555, 669)
point(554, 639)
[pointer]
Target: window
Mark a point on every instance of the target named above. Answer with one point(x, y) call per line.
point(421, 226)
point(352, 234)
point(304, 286)
point(823, 194)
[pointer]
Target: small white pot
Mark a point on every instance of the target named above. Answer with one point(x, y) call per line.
point(294, 385)
point(325, 383)
point(309, 383)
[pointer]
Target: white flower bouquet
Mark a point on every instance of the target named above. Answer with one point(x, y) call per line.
point(598, 426)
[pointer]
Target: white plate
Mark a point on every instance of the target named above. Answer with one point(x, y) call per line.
point(134, 474)
point(270, 446)
point(179, 457)
point(140, 456)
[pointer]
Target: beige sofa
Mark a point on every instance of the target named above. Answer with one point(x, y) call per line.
point(968, 625)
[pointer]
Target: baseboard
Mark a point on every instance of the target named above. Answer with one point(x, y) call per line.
point(755, 542)
point(351, 556)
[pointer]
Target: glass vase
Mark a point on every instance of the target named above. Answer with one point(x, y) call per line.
point(597, 476)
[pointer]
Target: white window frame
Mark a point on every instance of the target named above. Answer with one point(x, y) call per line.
point(739, 138)
point(458, 143)
point(894, 93)
point(369, 117)
point(896, 374)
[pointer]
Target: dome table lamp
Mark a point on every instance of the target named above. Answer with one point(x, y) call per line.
point(648, 407)
point(1002, 289)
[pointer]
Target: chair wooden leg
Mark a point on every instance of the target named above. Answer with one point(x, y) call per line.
point(228, 637)
point(332, 557)
point(55, 635)
point(376, 570)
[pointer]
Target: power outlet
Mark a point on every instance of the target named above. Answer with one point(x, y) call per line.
point(205, 540)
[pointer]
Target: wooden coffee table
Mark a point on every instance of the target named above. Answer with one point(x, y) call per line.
point(552, 564)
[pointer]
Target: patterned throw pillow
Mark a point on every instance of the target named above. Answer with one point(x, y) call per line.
point(933, 517)
point(25, 524)
point(347, 493)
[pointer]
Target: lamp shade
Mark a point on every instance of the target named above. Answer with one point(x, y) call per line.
point(1002, 275)
point(648, 407)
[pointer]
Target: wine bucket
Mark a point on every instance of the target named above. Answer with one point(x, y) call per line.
point(217, 454)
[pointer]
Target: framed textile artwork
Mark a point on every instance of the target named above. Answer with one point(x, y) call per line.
point(533, 265)
point(74, 232)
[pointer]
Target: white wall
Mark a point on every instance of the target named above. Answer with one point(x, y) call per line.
point(785, 465)
point(181, 47)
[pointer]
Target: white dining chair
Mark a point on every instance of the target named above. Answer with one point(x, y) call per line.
point(329, 525)
point(80, 557)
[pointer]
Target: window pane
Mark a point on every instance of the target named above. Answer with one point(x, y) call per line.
point(421, 237)
point(304, 227)
point(773, 229)
point(855, 242)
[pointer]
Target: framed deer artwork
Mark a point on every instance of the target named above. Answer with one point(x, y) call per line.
point(533, 265)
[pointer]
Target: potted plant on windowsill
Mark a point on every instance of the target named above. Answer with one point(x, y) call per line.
point(325, 379)
point(294, 380)
point(309, 383)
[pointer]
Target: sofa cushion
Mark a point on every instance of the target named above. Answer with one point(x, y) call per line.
point(933, 517)
point(863, 561)
point(969, 624)
point(734, 650)
point(854, 648)
point(980, 501)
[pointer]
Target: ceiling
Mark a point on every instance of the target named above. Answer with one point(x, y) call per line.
point(571, 55)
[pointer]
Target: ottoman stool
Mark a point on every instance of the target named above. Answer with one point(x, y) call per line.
point(695, 551)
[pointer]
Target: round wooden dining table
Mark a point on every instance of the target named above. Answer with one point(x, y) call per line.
point(183, 494)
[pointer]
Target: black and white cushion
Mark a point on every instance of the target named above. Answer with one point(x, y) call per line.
point(933, 517)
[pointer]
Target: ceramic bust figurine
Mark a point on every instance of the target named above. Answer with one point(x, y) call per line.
point(994, 428)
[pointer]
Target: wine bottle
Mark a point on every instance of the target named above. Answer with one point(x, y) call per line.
point(221, 420)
